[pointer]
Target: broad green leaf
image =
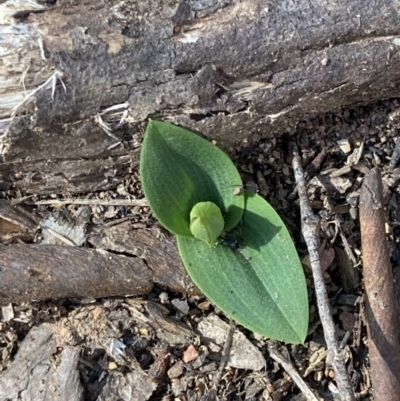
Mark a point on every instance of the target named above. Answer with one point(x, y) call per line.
point(206, 221)
point(179, 169)
point(261, 285)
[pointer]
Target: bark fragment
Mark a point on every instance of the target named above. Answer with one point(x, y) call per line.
point(158, 249)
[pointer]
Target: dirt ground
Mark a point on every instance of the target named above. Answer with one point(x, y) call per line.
point(171, 346)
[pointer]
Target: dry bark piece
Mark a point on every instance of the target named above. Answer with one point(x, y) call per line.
point(31, 366)
point(344, 145)
point(380, 301)
point(70, 175)
point(59, 383)
point(37, 272)
point(64, 228)
point(153, 245)
point(316, 163)
point(168, 330)
point(17, 223)
point(132, 386)
point(334, 186)
point(348, 273)
point(158, 369)
point(243, 354)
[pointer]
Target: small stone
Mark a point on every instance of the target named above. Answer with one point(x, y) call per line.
point(143, 331)
point(210, 367)
point(325, 61)
point(176, 370)
point(243, 354)
point(163, 297)
point(190, 354)
point(205, 305)
point(181, 305)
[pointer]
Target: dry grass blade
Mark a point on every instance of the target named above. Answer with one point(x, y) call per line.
point(104, 202)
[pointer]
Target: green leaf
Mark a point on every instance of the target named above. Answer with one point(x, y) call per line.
point(261, 285)
point(179, 169)
point(206, 222)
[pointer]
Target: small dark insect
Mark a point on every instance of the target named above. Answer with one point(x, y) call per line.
point(230, 241)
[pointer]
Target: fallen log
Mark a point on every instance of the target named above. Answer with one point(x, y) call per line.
point(79, 79)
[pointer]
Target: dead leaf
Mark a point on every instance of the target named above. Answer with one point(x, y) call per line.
point(348, 320)
point(327, 257)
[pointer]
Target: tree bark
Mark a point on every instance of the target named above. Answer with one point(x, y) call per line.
point(232, 70)
point(380, 299)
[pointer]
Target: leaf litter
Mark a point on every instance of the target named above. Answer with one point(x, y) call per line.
point(337, 150)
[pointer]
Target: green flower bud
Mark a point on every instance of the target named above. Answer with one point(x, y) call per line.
point(206, 221)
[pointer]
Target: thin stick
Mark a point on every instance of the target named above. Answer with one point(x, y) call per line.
point(212, 393)
point(225, 354)
point(380, 299)
point(310, 228)
point(287, 364)
point(61, 202)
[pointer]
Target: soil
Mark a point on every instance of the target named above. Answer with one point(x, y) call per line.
point(169, 346)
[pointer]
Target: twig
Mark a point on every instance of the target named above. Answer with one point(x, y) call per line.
point(38, 272)
point(287, 364)
point(310, 228)
point(225, 354)
point(212, 393)
point(111, 202)
point(380, 301)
